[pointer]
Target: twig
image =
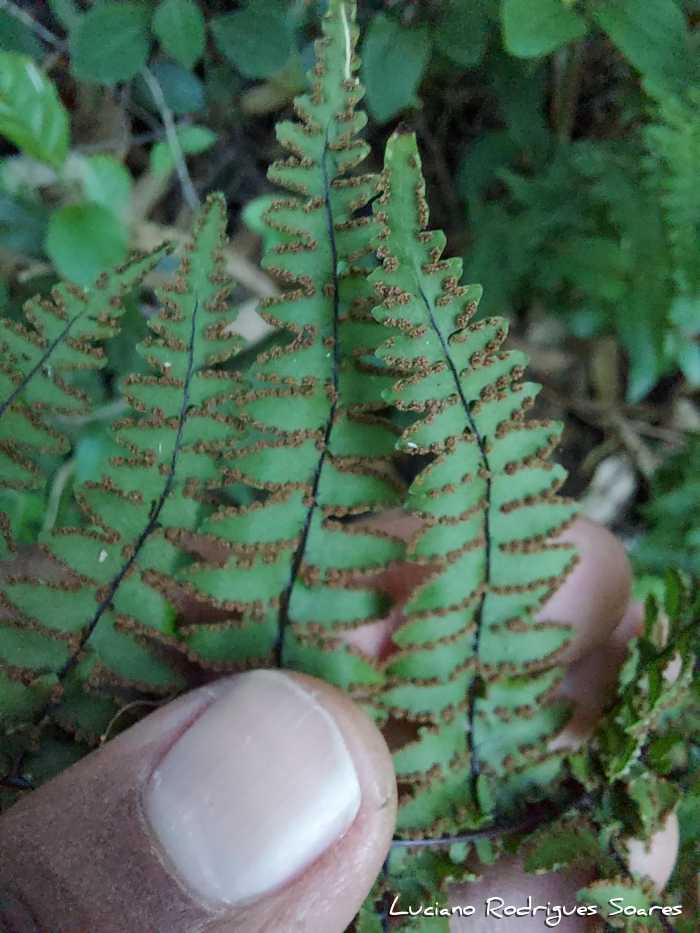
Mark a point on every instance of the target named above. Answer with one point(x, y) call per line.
point(567, 73)
point(626, 429)
point(188, 192)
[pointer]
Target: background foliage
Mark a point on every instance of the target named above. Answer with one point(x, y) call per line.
point(561, 143)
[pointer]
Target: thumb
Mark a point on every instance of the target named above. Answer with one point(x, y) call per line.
point(263, 802)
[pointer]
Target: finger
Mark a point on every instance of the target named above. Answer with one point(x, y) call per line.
point(589, 683)
point(592, 599)
point(238, 807)
point(505, 886)
point(656, 861)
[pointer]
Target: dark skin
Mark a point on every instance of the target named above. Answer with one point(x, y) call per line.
point(78, 855)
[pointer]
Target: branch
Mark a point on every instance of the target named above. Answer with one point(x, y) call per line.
point(188, 192)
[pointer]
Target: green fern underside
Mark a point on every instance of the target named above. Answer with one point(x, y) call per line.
point(92, 626)
point(307, 427)
point(374, 329)
point(318, 445)
point(472, 663)
point(64, 335)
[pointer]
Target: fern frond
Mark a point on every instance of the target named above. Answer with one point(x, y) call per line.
point(472, 666)
point(60, 337)
point(674, 143)
point(316, 448)
point(105, 619)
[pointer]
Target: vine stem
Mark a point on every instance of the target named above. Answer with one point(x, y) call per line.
point(188, 191)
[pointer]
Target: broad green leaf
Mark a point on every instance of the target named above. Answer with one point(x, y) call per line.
point(108, 183)
point(394, 60)
point(110, 43)
point(66, 12)
point(257, 38)
point(179, 26)
point(653, 36)
point(536, 27)
point(192, 139)
point(85, 239)
point(32, 116)
point(463, 30)
point(23, 224)
point(18, 37)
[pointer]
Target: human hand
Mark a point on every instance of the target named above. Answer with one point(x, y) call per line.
point(266, 802)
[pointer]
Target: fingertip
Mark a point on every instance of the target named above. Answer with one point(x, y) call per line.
point(589, 681)
point(657, 860)
point(594, 597)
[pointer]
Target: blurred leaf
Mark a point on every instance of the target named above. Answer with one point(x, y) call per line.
point(652, 35)
point(16, 37)
point(277, 91)
point(685, 313)
point(66, 12)
point(223, 84)
point(482, 159)
point(23, 223)
point(92, 451)
point(84, 239)
point(179, 26)
point(192, 139)
point(257, 39)
point(109, 44)
point(673, 514)
point(25, 511)
point(394, 60)
point(32, 116)
point(689, 818)
point(108, 183)
point(182, 89)
point(537, 27)
point(520, 88)
point(689, 363)
point(463, 30)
